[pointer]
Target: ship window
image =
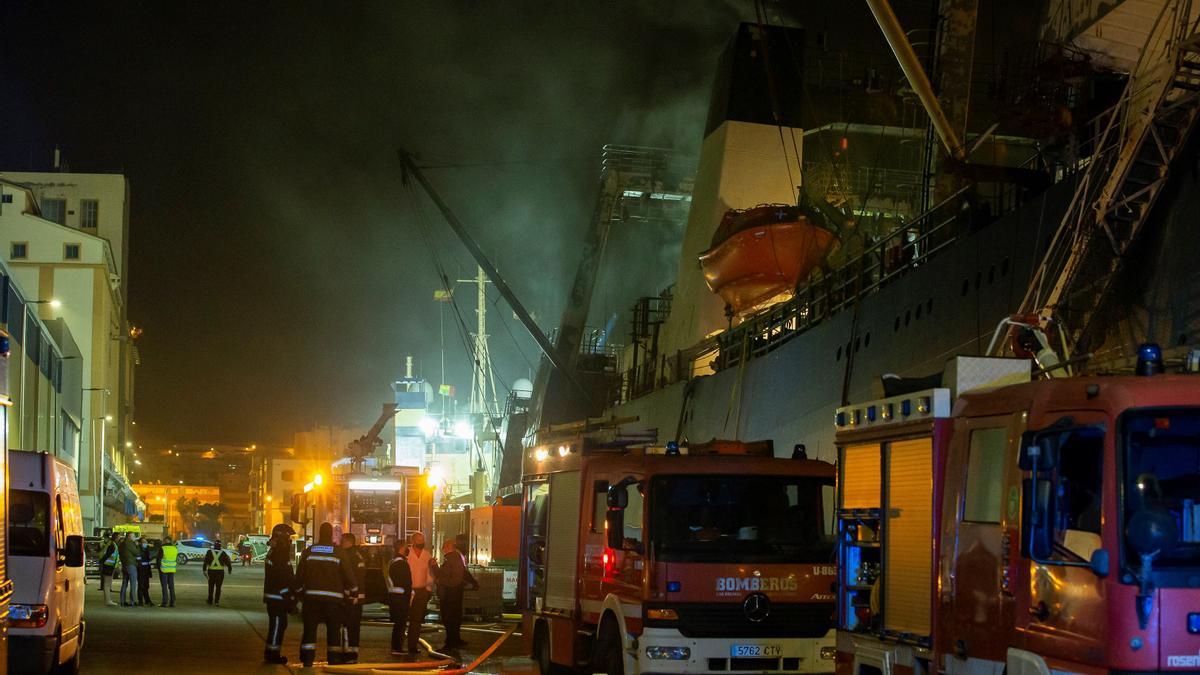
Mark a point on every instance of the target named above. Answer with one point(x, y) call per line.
point(839, 353)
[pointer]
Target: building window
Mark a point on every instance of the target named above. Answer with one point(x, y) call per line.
point(89, 213)
point(287, 476)
point(20, 250)
point(55, 210)
point(70, 251)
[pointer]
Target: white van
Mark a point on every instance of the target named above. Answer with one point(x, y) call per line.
point(45, 563)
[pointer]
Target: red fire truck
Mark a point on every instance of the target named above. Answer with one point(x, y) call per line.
point(1042, 527)
point(668, 560)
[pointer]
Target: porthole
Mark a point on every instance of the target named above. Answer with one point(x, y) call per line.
point(839, 353)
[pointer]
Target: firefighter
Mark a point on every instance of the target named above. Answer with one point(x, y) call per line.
point(278, 590)
point(354, 603)
point(214, 561)
point(108, 568)
point(399, 585)
point(325, 581)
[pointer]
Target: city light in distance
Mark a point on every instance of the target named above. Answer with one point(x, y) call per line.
point(463, 429)
point(318, 480)
point(428, 425)
point(56, 303)
point(435, 477)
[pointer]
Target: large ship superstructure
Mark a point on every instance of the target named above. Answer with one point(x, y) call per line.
point(1109, 101)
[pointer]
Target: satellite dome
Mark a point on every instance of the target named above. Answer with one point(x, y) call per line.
point(523, 388)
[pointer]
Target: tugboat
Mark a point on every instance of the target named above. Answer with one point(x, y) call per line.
point(760, 252)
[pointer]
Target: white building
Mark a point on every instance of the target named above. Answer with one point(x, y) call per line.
point(75, 272)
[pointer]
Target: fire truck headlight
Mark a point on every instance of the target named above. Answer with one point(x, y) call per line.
point(668, 653)
point(662, 614)
point(828, 653)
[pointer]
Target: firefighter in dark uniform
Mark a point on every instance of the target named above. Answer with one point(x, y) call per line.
point(279, 586)
point(354, 603)
point(326, 581)
point(214, 561)
point(145, 562)
point(399, 583)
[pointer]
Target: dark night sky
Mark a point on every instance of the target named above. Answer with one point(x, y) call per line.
point(276, 266)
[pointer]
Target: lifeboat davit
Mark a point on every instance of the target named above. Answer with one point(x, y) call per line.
point(761, 252)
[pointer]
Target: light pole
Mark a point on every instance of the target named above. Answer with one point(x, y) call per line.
point(103, 419)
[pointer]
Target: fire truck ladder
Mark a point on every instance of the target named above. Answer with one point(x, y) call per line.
point(412, 506)
point(1131, 155)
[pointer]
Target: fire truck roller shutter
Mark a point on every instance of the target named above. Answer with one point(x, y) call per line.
point(908, 552)
point(861, 464)
point(562, 540)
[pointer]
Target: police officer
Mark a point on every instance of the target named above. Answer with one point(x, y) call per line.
point(326, 581)
point(145, 562)
point(399, 583)
point(108, 568)
point(279, 584)
point(354, 603)
point(214, 560)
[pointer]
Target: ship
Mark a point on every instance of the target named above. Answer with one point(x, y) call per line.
point(1067, 201)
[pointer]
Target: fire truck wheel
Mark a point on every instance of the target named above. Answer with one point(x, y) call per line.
point(608, 657)
point(541, 653)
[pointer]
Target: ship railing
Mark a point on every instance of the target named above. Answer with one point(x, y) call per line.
point(835, 290)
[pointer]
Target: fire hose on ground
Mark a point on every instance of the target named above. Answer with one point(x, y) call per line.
point(431, 667)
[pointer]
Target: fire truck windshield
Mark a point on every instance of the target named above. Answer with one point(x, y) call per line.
point(1162, 473)
point(755, 519)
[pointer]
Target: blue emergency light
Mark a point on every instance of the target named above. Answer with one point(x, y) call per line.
point(1149, 359)
point(674, 586)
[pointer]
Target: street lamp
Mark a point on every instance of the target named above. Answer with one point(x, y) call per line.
point(54, 303)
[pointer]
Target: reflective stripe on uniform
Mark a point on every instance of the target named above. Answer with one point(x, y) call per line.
point(329, 594)
point(272, 596)
point(216, 561)
point(308, 647)
point(398, 590)
point(324, 558)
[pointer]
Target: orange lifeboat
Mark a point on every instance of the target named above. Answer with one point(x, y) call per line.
point(761, 252)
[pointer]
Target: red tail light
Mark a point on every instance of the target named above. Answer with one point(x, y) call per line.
point(609, 560)
point(27, 616)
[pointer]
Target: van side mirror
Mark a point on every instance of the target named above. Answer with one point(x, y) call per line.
point(72, 554)
point(614, 521)
point(1099, 562)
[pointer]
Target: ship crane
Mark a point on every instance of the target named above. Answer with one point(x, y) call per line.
point(1118, 186)
point(364, 446)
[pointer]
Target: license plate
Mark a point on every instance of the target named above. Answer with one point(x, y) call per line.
point(737, 651)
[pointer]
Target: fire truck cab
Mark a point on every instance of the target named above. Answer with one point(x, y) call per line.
point(1042, 527)
point(666, 560)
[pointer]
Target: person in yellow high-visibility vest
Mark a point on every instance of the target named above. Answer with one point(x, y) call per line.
point(168, 557)
point(214, 561)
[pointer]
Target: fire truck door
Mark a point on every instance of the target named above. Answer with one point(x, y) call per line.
point(972, 539)
point(1060, 609)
